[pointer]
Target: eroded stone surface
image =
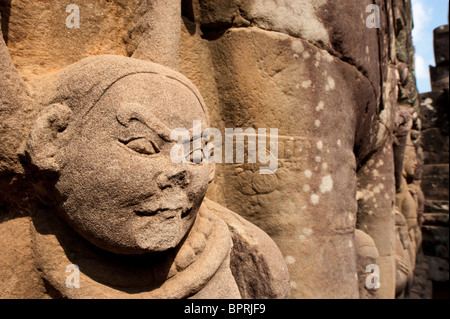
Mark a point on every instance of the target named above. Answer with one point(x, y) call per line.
point(108, 196)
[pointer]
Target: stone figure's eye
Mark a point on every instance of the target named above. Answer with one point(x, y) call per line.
point(196, 155)
point(142, 146)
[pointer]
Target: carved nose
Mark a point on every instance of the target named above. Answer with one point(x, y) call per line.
point(174, 177)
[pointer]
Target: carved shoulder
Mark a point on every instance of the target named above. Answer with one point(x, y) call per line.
point(256, 261)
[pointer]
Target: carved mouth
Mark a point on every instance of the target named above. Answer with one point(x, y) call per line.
point(147, 213)
point(165, 213)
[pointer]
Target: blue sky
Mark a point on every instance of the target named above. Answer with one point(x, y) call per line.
point(428, 15)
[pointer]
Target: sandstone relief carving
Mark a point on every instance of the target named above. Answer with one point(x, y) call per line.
point(108, 198)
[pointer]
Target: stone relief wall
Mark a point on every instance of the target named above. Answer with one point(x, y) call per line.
point(342, 95)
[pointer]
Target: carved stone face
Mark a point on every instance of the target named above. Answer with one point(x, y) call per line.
point(410, 160)
point(120, 189)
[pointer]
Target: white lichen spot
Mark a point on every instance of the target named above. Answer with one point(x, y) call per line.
point(327, 57)
point(320, 107)
point(386, 196)
point(293, 284)
point(315, 199)
point(297, 46)
point(375, 173)
point(318, 56)
point(325, 166)
point(308, 174)
point(331, 84)
point(290, 260)
point(371, 213)
point(351, 218)
point(327, 184)
point(319, 145)
point(339, 143)
point(318, 159)
point(350, 244)
point(428, 104)
point(308, 231)
point(317, 64)
point(306, 55)
point(317, 123)
point(306, 188)
point(306, 84)
point(359, 195)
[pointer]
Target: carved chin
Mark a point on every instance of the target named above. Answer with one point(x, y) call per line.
point(167, 236)
point(141, 240)
point(159, 235)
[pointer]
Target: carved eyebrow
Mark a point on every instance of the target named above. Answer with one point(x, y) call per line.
point(135, 111)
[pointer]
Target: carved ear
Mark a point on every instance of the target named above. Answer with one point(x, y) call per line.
point(44, 140)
